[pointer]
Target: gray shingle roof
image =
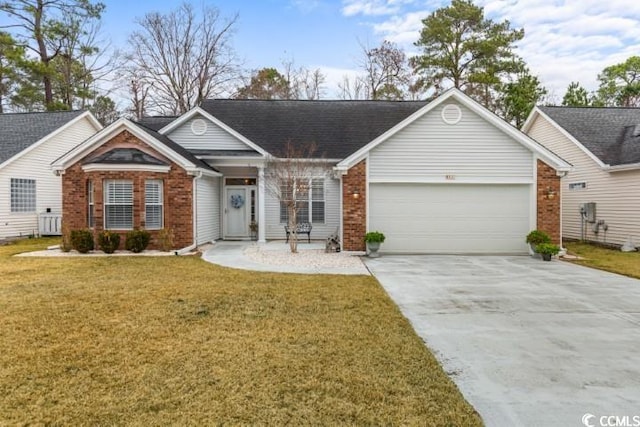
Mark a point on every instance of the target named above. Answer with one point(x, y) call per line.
point(607, 132)
point(126, 156)
point(18, 131)
point(338, 128)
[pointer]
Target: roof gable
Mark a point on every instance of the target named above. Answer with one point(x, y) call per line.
point(22, 131)
point(606, 134)
point(161, 143)
point(455, 94)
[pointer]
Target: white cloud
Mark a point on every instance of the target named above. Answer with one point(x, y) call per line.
point(571, 40)
point(373, 7)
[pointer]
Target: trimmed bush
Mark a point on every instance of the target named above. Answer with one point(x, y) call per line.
point(108, 241)
point(137, 240)
point(82, 240)
point(374, 237)
point(537, 237)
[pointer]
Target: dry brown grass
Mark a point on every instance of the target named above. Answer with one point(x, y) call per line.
point(175, 340)
point(615, 261)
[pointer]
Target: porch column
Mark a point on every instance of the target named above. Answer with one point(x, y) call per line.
point(262, 224)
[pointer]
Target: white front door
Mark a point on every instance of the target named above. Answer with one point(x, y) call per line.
point(237, 211)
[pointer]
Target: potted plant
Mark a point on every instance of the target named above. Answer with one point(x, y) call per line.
point(537, 237)
point(547, 250)
point(373, 240)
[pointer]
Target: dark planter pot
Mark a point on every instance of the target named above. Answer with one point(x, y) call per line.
point(546, 257)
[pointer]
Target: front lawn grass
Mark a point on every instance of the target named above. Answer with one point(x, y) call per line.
point(613, 260)
point(176, 340)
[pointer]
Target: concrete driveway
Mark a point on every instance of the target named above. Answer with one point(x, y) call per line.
point(527, 342)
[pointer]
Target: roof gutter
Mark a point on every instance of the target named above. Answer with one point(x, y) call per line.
point(621, 168)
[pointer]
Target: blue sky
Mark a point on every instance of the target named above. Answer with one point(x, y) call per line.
point(565, 40)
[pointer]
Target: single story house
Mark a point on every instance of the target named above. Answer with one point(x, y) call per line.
point(445, 176)
point(600, 197)
point(28, 189)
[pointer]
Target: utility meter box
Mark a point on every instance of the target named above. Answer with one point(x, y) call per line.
point(589, 212)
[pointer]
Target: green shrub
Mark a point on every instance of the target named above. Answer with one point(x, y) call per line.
point(82, 240)
point(108, 241)
point(547, 248)
point(374, 237)
point(537, 237)
point(137, 240)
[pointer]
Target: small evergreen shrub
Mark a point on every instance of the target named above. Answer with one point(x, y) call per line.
point(82, 240)
point(537, 237)
point(137, 240)
point(108, 241)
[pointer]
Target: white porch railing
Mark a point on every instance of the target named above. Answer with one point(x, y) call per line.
point(50, 224)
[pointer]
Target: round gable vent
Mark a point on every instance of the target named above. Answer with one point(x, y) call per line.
point(198, 127)
point(451, 114)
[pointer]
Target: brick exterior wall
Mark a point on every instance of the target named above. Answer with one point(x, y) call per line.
point(354, 215)
point(548, 219)
point(178, 194)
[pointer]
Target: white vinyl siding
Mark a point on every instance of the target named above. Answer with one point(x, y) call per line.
point(36, 164)
point(153, 202)
point(429, 150)
point(616, 194)
point(208, 209)
point(320, 230)
point(451, 218)
point(214, 138)
point(23, 195)
point(118, 205)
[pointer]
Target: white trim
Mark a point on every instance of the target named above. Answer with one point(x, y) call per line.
point(92, 167)
point(454, 108)
point(533, 196)
point(443, 180)
point(547, 156)
point(367, 186)
point(198, 110)
point(621, 168)
point(537, 112)
point(86, 115)
point(262, 209)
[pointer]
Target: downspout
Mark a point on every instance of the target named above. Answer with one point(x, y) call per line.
point(195, 218)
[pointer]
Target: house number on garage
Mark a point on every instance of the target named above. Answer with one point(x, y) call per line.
point(449, 177)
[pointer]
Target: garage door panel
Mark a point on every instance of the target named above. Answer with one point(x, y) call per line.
point(432, 218)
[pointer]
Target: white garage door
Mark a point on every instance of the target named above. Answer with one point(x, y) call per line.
point(438, 218)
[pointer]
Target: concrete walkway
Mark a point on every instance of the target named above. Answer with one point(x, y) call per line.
point(529, 343)
point(275, 256)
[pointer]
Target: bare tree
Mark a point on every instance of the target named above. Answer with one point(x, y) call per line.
point(387, 72)
point(289, 179)
point(303, 82)
point(352, 88)
point(186, 55)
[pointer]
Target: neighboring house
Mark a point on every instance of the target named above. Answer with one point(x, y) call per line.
point(28, 144)
point(446, 176)
point(603, 145)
